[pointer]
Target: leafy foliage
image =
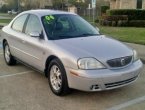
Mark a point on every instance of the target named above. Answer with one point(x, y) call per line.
point(104, 9)
point(133, 14)
point(12, 4)
point(4, 9)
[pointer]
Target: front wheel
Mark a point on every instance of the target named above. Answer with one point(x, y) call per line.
point(9, 59)
point(57, 78)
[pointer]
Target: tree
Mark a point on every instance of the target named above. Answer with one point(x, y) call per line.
point(59, 4)
point(12, 4)
point(29, 4)
point(4, 9)
point(78, 3)
point(18, 5)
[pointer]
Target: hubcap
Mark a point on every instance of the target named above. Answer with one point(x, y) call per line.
point(7, 53)
point(55, 78)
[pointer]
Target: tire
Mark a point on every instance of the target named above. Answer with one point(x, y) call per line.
point(57, 78)
point(9, 59)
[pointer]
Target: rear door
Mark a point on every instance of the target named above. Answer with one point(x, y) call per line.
point(16, 36)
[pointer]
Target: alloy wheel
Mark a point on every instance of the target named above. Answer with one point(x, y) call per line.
point(55, 78)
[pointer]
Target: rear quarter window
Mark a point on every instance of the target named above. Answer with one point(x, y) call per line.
point(19, 23)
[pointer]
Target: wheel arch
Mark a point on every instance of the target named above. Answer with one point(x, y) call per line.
point(49, 59)
point(4, 40)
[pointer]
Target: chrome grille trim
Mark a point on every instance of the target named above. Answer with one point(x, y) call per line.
point(120, 62)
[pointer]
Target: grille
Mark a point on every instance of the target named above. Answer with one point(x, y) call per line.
point(115, 84)
point(119, 62)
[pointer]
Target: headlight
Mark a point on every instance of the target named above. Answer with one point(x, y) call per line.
point(90, 63)
point(135, 55)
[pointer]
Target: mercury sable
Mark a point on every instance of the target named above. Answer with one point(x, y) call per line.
point(69, 51)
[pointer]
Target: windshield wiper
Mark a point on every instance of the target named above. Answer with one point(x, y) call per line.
point(73, 36)
point(64, 36)
point(87, 34)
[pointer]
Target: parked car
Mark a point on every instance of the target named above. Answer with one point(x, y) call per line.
point(9, 12)
point(70, 52)
point(12, 12)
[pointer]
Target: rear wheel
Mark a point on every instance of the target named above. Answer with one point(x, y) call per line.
point(9, 59)
point(57, 78)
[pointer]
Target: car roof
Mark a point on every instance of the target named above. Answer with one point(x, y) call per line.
point(43, 12)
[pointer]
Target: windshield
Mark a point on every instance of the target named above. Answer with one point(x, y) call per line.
point(64, 26)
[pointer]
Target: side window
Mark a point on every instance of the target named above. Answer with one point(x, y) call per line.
point(19, 23)
point(33, 25)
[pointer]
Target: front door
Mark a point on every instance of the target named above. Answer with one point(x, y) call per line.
point(33, 46)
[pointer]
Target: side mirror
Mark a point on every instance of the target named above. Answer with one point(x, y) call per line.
point(36, 34)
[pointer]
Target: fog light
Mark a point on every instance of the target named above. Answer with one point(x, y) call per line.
point(94, 87)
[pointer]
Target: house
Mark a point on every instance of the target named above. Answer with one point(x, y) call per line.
point(45, 3)
point(127, 4)
point(72, 9)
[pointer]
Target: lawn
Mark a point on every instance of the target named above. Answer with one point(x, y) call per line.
point(5, 20)
point(125, 34)
point(7, 15)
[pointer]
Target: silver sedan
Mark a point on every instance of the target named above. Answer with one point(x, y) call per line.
point(69, 51)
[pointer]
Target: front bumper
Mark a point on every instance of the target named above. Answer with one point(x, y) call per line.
point(103, 79)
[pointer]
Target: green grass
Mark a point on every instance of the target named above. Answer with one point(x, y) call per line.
point(7, 15)
point(5, 20)
point(8, 18)
point(125, 34)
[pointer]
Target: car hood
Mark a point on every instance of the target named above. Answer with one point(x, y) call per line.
point(100, 47)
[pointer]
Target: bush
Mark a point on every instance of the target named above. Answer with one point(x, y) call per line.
point(96, 20)
point(108, 23)
point(133, 14)
point(122, 23)
point(105, 22)
point(104, 9)
point(119, 23)
point(126, 17)
point(114, 23)
point(137, 23)
point(4, 9)
point(115, 17)
point(113, 20)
